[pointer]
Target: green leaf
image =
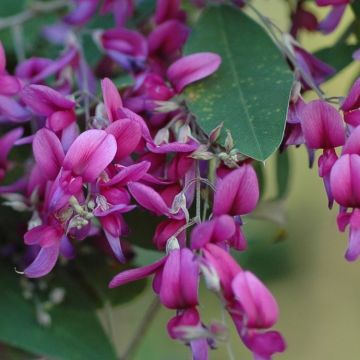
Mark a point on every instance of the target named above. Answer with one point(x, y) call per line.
point(339, 56)
point(97, 271)
point(250, 91)
point(142, 227)
point(75, 333)
point(282, 174)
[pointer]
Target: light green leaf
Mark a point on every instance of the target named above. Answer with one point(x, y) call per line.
point(250, 91)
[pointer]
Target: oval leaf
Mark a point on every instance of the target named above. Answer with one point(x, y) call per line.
point(250, 91)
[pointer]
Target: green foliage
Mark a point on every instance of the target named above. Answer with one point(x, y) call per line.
point(339, 56)
point(282, 174)
point(75, 333)
point(97, 271)
point(250, 91)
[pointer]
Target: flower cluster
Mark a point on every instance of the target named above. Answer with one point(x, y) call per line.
point(99, 155)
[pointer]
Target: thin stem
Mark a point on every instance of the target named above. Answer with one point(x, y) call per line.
point(142, 329)
point(85, 83)
point(37, 8)
point(223, 318)
point(198, 194)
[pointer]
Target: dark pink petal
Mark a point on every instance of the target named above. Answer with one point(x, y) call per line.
point(43, 235)
point(43, 100)
point(264, 345)
point(166, 10)
point(237, 193)
point(332, 20)
point(332, 2)
point(82, 12)
point(9, 85)
point(48, 153)
point(112, 228)
point(90, 154)
point(67, 249)
point(127, 134)
point(353, 250)
point(352, 145)
point(56, 65)
point(136, 274)
point(148, 198)
point(176, 147)
point(179, 286)
point(12, 110)
point(256, 300)
point(352, 101)
point(29, 68)
point(315, 69)
point(60, 120)
point(112, 99)
point(191, 68)
point(225, 266)
point(168, 38)
point(322, 125)
point(165, 230)
point(130, 173)
point(43, 263)
point(344, 177)
point(7, 141)
point(189, 318)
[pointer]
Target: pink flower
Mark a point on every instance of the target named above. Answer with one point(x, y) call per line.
point(351, 105)
point(192, 68)
point(237, 193)
point(44, 101)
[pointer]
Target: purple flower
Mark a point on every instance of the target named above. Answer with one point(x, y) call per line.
point(44, 101)
point(192, 68)
point(176, 280)
point(322, 125)
point(168, 9)
point(332, 20)
point(314, 69)
point(237, 193)
point(351, 105)
point(82, 12)
point(126, 47)
point(122, 10)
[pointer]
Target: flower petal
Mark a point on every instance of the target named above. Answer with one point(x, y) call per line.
point(43, 263)
point(48, 153)
point(191, 68)
point(90, 154)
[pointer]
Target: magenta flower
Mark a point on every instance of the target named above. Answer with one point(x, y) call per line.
point(82, 12)
point(251, 306)
point(344, 178)
point(192, 68)
point(44, 101)
point(302, 19)
point(168, 38)
point(314, 69)
point(351, 105)
point(176, 280)
point(332, 20)
point(237, 193)
point(128, 48)
point(168, 9)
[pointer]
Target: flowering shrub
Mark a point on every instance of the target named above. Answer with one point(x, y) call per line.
point(139, 127)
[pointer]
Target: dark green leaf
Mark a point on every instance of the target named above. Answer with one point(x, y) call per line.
point(142, 227)
point(339, 56)
point(97, 271)
point(282, 174)
point(75, 333)
point(250, 91)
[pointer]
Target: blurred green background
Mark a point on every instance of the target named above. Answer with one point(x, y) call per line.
point(317, 290)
